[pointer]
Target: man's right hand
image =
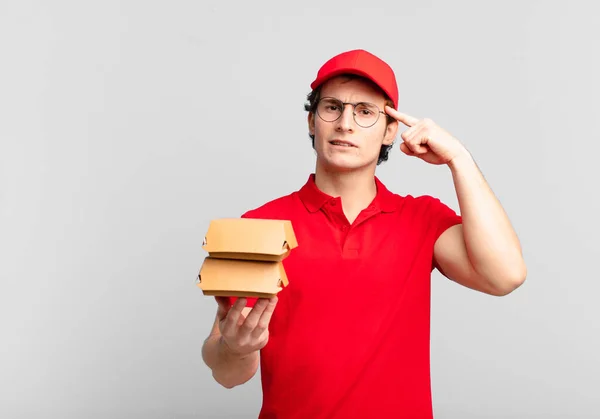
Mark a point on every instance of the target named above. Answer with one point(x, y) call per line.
point(243, 335)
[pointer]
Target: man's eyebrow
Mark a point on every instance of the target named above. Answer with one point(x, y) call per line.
point(333, 99)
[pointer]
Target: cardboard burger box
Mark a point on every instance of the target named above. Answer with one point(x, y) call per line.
point(245, 257)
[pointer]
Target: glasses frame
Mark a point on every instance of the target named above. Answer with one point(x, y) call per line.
point(354, 105)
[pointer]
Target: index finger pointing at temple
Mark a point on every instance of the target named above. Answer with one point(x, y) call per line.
point(402, 117)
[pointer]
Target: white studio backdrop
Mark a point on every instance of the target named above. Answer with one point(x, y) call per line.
point(126, 126)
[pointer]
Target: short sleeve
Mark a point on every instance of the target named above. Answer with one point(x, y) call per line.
point(440, 217)
point(443, 217)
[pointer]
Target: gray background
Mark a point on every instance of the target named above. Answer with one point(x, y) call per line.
point(127, 126)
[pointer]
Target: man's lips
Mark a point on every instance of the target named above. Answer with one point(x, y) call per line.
point(342, 143)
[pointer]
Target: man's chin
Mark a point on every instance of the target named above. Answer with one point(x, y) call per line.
point(342, 165)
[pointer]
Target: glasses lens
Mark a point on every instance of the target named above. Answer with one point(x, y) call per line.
point(366, 114)
point(329, 109)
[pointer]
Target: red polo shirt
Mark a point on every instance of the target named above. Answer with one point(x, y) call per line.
point(349, 337)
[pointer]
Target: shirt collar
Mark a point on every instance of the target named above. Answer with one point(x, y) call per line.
point(314, 199)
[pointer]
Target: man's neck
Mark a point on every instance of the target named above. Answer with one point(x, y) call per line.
point(357, 189)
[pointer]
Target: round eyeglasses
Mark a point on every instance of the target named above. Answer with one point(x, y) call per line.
point(365, 114)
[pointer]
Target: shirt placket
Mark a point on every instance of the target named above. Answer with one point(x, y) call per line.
point(349, 239)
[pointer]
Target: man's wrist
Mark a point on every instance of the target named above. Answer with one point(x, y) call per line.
point(462, 159)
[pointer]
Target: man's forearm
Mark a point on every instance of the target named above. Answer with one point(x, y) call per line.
point(228, 369)
point(492, 244)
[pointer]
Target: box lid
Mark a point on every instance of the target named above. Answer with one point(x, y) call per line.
point(250, 236)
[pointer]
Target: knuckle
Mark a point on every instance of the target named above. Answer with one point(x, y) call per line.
point(260, 328)
point(247, 326)
point(264, 340)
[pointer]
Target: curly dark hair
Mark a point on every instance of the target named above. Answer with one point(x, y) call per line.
point(311, 106)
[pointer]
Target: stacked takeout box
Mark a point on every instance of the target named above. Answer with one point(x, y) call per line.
point(245, 257)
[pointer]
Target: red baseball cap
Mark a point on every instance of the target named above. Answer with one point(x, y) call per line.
point(362, 63)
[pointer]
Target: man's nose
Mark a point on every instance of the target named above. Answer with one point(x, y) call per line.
point(346, 121)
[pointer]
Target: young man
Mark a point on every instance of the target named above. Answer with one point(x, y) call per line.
point(349, 336)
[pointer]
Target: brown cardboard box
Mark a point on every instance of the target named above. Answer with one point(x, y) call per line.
point(245, 257)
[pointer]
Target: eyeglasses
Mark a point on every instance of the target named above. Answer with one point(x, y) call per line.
point(365, 114)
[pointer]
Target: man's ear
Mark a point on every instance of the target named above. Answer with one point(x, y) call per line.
point(390, 133)
point(311, 123)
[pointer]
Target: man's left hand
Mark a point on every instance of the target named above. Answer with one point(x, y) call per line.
point(426, 140)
